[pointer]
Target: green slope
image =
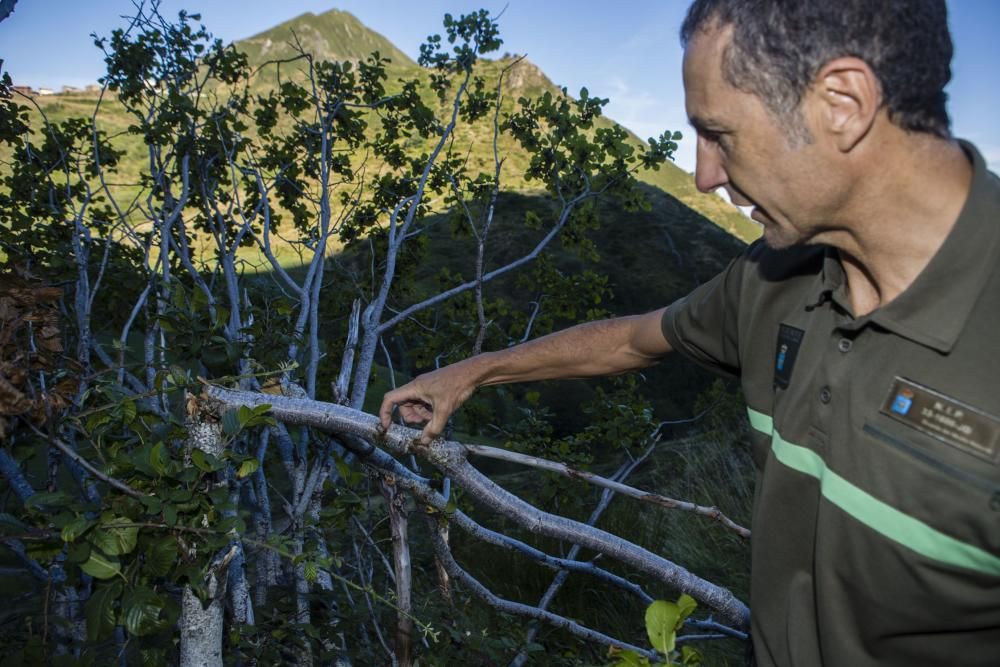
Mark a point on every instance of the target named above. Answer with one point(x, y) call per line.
point(333, 35)
point(339, 35)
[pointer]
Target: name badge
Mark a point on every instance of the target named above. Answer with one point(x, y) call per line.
point(944, 418)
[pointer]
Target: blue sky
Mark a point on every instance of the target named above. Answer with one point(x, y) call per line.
point(625, 50)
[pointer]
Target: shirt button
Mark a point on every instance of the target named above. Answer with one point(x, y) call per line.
point(825, 395)
point(844, 344)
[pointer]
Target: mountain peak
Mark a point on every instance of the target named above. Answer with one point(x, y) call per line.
point(333, 35)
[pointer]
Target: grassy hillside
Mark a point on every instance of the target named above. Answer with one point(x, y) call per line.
point(338, 35)
point(333, 35)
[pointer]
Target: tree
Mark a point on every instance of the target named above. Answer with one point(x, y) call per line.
point(184, 456)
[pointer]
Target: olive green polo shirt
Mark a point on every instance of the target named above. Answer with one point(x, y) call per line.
point(876, 520)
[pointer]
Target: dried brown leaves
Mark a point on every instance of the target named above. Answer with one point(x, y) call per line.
point(31, 342)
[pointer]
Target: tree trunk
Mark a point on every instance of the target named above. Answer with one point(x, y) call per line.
point(399, 528)
point(201, 626)
point(201, 629)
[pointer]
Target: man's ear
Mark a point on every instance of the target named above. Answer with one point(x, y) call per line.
point(847, 97)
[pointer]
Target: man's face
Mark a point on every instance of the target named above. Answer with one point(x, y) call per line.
point(743, 148)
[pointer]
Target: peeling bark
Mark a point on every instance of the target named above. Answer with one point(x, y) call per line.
point(201, 626)
point(201, 630)
point(399, 529)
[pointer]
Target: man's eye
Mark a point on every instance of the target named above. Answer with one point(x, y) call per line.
point(711, 135)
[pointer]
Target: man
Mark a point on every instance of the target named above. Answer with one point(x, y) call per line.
point(864, 330)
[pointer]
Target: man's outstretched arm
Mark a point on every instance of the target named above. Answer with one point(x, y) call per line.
point(605, 347)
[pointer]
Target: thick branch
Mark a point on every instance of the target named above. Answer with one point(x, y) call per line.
point(450, 457)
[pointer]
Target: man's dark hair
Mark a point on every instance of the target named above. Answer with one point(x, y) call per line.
point(779, 45)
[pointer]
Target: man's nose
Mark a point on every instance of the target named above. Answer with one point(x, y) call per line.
point(709, 172)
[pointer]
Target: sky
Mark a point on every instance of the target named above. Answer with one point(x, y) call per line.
point(626, 50)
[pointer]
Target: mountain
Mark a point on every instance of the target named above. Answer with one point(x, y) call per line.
point(339, 35)
point(332, 35)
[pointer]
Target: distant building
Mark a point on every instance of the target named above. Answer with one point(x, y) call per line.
point(92, 88)
point(46, 91)
point(69, 90)
point(24, 90)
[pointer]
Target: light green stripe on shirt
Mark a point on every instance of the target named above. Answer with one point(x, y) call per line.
point(869, 510)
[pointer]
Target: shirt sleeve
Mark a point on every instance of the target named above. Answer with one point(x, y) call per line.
point(704, 325)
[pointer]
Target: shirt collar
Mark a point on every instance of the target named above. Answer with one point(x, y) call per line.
point(933, 310)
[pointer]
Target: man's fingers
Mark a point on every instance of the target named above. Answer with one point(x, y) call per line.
point(412, 406)
point(395, 398)
point(434, 428)
point(430, 399)
point(385, 410)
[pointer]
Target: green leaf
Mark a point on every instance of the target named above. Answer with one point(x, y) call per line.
point(661, 625)
point(178, 375)
point(75, 528)
point(152, 504)
point(161, 375)
point(113, 538)
point(100, 566)
point(204, 461)
point(128, 412)
point(160, 556)
point(628, 658)
point(78, 552)
point(47, 499)
point(244, 414)
point(686, 606)
point(690, 657)
point(170, 515)
point(153, 657)
point(248, 467)
point(100, 610)
point(141, 611)
point(158, 458)
point(231, 422)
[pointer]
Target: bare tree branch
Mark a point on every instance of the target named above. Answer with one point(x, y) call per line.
point(87, 465)
point(574, 628)
point(450, 457)
point(573, 473)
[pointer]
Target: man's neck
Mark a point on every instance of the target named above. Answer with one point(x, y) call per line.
point(900, 213)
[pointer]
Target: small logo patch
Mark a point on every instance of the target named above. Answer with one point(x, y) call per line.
point(786, 351)
point(903, 401)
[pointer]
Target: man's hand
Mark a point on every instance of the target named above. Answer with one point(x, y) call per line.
point(606, 347)
point(431, 398)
